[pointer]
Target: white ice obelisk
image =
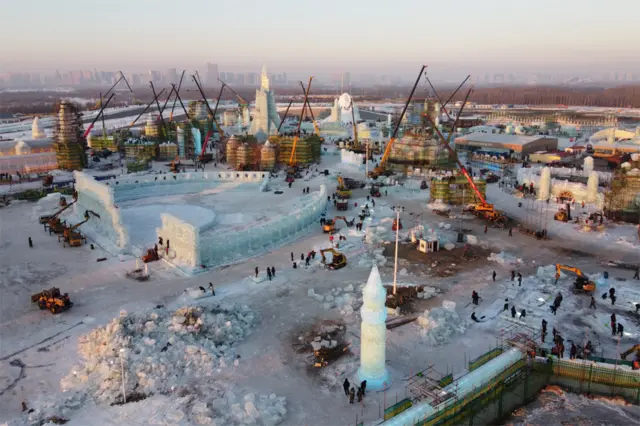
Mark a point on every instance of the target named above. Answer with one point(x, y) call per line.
point(373, 334)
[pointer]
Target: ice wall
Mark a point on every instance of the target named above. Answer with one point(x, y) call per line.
point(184, 241)
point(222, 248)
point(97, 197)
point(350, 157)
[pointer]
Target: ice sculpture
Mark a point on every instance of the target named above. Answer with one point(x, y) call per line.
point(180, 139)
point(36, 130)
point(545, 184)
point(373, 333)
point(592, 187)
point(587, 166)
point(197, 139)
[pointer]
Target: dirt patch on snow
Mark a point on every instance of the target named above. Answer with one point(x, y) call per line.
point(443, 263)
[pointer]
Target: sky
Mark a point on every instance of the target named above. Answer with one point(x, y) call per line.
point(322, 36)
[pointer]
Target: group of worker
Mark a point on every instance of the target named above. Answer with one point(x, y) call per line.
point(351, 391)
point(271, 271)
point(513, 277)
point(306, 260)
point(616, 327)
point(612, 296)
point(305, 190)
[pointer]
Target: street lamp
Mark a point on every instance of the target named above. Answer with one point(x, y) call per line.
point(397, 209)
point(124, 394)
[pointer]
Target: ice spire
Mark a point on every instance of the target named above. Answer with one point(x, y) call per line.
point(373, 332)
point(264, 77)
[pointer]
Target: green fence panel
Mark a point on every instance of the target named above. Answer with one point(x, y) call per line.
point(397, 408)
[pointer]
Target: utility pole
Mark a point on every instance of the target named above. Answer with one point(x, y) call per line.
point(395, 263)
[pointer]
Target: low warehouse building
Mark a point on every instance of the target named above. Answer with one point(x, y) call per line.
point(519, 146)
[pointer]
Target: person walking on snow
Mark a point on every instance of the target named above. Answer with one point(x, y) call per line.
point(636, 276)
point(363, 386)
point(292, 256)
point(475, 297)
point(269, 274)
point(513, 275)
point(513, 312)
point(345, 386)
point(493, 275)
point(620, 329)
point(511, 232)
point(213, 290)
point(359, 393)
point(485, 229)
point(30, 242)
point(593, 303)
point(352, 395)
point(506, 305)
point(273, 271)
point(519, 279)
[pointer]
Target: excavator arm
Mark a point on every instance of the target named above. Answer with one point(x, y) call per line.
point(635, 348)
point(56, 214)
point(560, 268)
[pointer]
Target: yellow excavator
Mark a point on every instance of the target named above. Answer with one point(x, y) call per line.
point(342, 190)
point(338, 261)
point(330, 224)
point(564, 214)
point(582, 282)
point(175, 165)
point(71, 236)
point(636, 361)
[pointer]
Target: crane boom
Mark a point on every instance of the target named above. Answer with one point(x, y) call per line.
point(356, 144)
point(213, 117)
point(387, 150)
point(446, 142)
point(164, 128)
point(145, 109)
point(240, 98)
point(98, 115)
point(297, 135)
point(444, 104)
point(176, 98)
point(210, 132)
point(180, 100)
point(285, 115)
point(313, 118)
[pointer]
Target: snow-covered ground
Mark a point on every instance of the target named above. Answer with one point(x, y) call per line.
point(40, 352)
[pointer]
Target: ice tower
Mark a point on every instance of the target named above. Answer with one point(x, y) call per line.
point(373, 333)
point(265, 119)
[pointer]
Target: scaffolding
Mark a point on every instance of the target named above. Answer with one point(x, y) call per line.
point(69, 144)
point(456, 190)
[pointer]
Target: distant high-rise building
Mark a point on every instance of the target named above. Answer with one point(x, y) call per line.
point(240, 79)
point(171, 76)
point(266, 119)
point(211, 75)
point(345, 82)
point(252, 79)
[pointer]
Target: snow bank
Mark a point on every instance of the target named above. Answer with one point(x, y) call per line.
point(349, 157)
point(441, 325)
point(341, 298)
point(169, 353)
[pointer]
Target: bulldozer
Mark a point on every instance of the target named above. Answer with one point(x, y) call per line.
point(330, 225)
point(338, 261)
point(52, 300)
point(342, 190)
point(582, 282)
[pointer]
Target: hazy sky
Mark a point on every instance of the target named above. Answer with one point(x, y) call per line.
point(376, 36)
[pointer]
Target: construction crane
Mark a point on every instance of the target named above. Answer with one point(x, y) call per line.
point(100, 113)
point(582, 282)
point(338, 261)
point(285, 115)
point(380, 170)
point(146, 108)
point(481, 208)
point(243, 104)
point(213, 116)
point(356, 144)
point(173, 107)
point(330, 224)
point(292, 158)
point(634, 348)
point(164, 127)
point(313, 118)
point(342, 190)
point(176, 91)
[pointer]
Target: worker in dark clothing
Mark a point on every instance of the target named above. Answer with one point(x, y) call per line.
point(292, 256)
point(513, 275)
point(636, 276)
point(295, 265)
point(519, 279)
point(301, 256)
point(513, 312)
point(613, 329)
point(613, 299)
point(289, 184)
point(345, 386)
point(307, 260)
point(269, 274)
point(592, 304)
point(213, 290)
point(573, 351)
point(475, 297)
point(256, 272)
point(160, 240)
point(30, 242)
point(363, 386)
point(485, 229)
point(352, 395)
point(554, 309)
point(612, 292)
point(511, 232)
point(273, 271)
point(359, 393)
point(473, 317)
point(620, 329)
point(523, 313)
point(561, 350)
point(373, 203)
point(493, 275)
point(544, 325)
point(637, 307)
point(505, 307)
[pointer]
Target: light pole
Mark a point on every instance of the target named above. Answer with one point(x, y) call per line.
point(397, 209)
point(124, 394)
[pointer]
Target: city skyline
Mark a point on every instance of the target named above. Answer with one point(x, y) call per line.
point(498, 36)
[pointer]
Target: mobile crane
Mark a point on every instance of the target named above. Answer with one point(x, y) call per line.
point(338, 261)
point(53, 222)
point(381, 170)
point(244, 105)
point(73, 238)
point(100, 113)
point(146, 108)
point(313, 118)
point(214, 122)
point(291, 172)
point(481, 208)
point(582, 282)
point(342, 190)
